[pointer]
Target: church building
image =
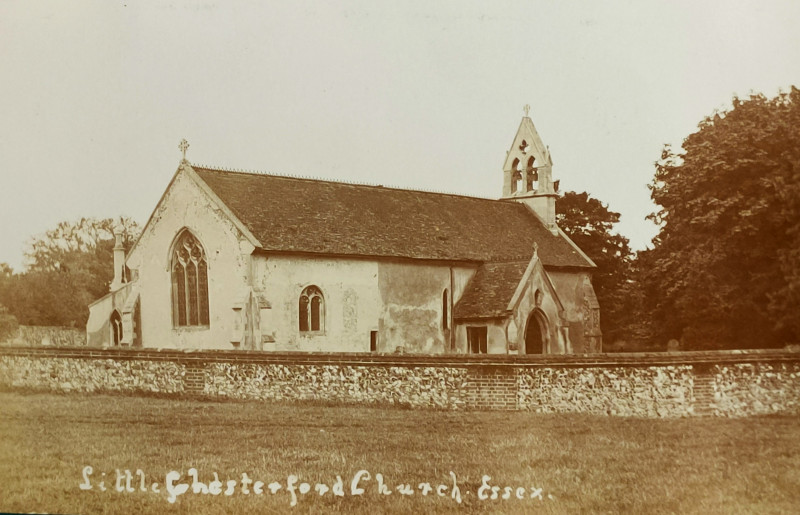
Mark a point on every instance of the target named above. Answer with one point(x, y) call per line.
point(234, 260)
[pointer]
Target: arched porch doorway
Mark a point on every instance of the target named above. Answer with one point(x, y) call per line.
point(536, 333)
point(116, 328)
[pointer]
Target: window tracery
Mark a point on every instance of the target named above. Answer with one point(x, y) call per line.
point(189, 282)
point(311, 310)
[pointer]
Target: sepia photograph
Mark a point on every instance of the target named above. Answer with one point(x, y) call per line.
point(400, 257)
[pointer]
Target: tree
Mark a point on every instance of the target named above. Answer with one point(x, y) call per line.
point(6, 276)
point(8, 324)
point(589, 223)
point(725, 268)
point(67, 268)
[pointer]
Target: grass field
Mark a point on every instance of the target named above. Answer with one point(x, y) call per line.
point(581, 463)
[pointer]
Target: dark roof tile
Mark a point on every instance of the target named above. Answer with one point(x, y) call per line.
point(307, 215)
point(490, 290)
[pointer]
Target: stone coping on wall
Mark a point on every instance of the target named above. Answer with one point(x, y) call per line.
point(697, 358)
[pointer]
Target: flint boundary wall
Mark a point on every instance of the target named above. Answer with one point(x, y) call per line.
point(737, 383)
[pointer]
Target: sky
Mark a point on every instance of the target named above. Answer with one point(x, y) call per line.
point(96, 96)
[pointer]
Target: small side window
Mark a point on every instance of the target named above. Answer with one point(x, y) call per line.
point(476, 339)
point(311, 310)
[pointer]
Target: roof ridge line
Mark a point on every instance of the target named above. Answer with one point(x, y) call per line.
point(337, 181)
point(515, 259)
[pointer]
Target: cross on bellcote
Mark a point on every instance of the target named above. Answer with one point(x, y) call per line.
point(527, 109)
point(183, 146)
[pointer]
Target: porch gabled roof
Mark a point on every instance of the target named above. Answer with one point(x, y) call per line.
point(490, 290)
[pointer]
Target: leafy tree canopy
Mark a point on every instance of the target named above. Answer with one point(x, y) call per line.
point(589, 223)
point(725, 267)
point(67, 268)
point(69, 243)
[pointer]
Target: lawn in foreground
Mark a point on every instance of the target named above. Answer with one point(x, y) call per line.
point(581, 463)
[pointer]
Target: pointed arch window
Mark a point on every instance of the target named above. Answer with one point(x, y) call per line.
point(116, 328)
point(311, 309)
point(189, 282)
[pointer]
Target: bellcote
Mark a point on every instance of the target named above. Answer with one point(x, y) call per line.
point(528, 173)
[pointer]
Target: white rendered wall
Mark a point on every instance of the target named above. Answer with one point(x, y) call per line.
point(186, 205)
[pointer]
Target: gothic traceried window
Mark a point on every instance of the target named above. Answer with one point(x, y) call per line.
point(189, 282)
point(311, 310)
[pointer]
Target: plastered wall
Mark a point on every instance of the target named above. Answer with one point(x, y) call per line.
point(228, 254)
point(351, 307)
point(411, 315)
point(570, 287)
point(402, 302)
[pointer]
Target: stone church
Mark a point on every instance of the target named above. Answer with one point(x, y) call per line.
point(233, 260)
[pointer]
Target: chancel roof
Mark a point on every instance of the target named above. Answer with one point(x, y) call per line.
point(314, 216)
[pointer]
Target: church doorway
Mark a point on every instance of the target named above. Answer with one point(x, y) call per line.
point(116, 328)
point(536, 333)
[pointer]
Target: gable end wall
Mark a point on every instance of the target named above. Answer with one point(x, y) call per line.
point(228, 255)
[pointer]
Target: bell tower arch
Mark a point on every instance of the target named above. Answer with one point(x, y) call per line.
point(528, 173)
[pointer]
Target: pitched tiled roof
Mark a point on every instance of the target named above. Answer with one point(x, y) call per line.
point(307, 215)
point(490, 290)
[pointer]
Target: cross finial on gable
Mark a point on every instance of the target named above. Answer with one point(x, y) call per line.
point(183, 147)
point(535, 250)
point(527, 109)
